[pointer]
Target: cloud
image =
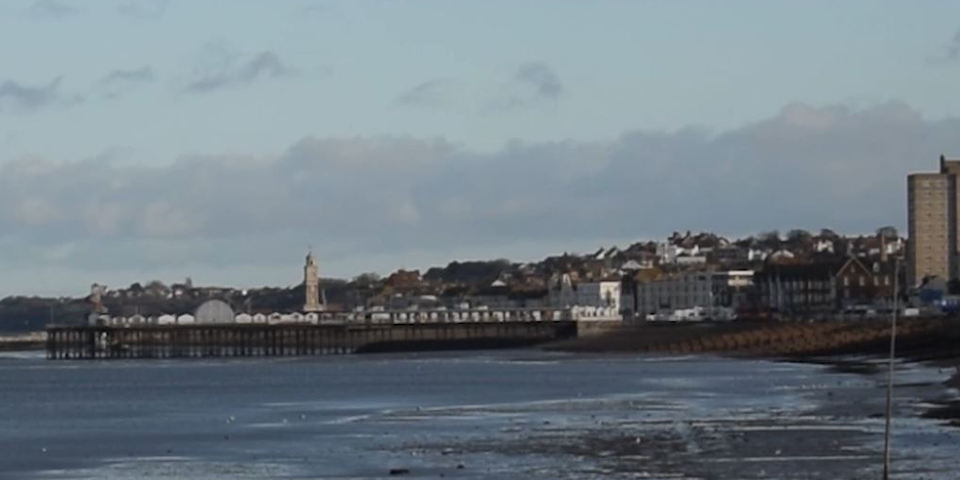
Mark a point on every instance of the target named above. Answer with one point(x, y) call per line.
point(432, 93)
point(223, 70)
point(144, 9)
point(122, 81)
point(953, 48)
point(18, 96)
point(533, 84)
point(807, 166)
point(545, 81)
point(142, 74)
point(51, 9)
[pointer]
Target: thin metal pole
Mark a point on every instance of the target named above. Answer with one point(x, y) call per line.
point(893, 348)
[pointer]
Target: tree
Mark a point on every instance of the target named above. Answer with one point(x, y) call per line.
point(888, 232)
point(829, 234)
point(135, 289)
point(797, 235)
point(156, 288)
point(769, 238)
point(368, 278)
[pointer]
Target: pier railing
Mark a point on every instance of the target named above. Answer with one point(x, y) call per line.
point(366, 317)
point(297, 339)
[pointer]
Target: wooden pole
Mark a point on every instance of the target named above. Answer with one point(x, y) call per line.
point(893, 349)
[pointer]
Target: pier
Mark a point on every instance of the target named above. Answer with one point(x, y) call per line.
point(301, 339)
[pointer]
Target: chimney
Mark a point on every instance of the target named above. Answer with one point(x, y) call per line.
point(943, 163)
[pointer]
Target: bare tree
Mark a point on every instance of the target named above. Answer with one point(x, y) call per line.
point(888, 232)
point(797, 235)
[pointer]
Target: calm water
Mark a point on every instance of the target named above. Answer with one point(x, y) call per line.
point(505, 414)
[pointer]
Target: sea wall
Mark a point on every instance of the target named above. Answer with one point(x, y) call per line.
point(590, 328)
point(929, 337)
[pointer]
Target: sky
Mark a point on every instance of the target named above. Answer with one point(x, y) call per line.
point(219, 140)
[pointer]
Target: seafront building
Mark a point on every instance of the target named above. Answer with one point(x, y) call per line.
point(932, 203)
point(588, 301)
point(795, 275)
point(716, 295)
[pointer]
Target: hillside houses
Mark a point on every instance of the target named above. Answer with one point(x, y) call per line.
point(796, 274)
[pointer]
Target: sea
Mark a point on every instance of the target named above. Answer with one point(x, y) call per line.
point(504, 414)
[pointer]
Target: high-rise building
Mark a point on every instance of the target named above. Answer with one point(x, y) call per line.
point(932, 203)
point(311, 283)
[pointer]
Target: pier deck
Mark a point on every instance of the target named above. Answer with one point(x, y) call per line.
point(261, 340)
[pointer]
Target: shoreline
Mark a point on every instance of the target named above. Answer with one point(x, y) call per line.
point(20, 342)
point(845, 347)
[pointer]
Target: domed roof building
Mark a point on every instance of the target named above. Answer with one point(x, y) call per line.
point(214, 311)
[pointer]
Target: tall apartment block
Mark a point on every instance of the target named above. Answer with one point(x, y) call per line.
point(932, 206)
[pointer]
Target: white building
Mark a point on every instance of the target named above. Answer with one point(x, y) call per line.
point(717, 293)
point(595, 300)
point(599, 294)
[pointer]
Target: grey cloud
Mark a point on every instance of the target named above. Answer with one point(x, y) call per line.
point(44, 9)
point(810, 167)
point(121, 81)
point(225, 71)
point(545, 81)
point(433, 93)
point(533, 84)
point(142, 74)
point(144, 9)
point(23, 97)
point(953, 48)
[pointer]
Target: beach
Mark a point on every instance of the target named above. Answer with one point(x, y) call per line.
point(481, 414)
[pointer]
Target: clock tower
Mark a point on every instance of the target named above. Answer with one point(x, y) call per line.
point(311, 283)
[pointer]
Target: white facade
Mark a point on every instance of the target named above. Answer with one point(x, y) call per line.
point(686, 290)
point(687, 260)
point(740, 278)
point(670, 253)
point(595, 313)
point(823, 245)
point(599, 294)
point(710, 291)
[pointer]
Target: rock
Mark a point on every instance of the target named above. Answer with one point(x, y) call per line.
point(399, 471)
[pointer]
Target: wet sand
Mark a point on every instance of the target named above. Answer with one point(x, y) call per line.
point(835, 432)
point(931, 342)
